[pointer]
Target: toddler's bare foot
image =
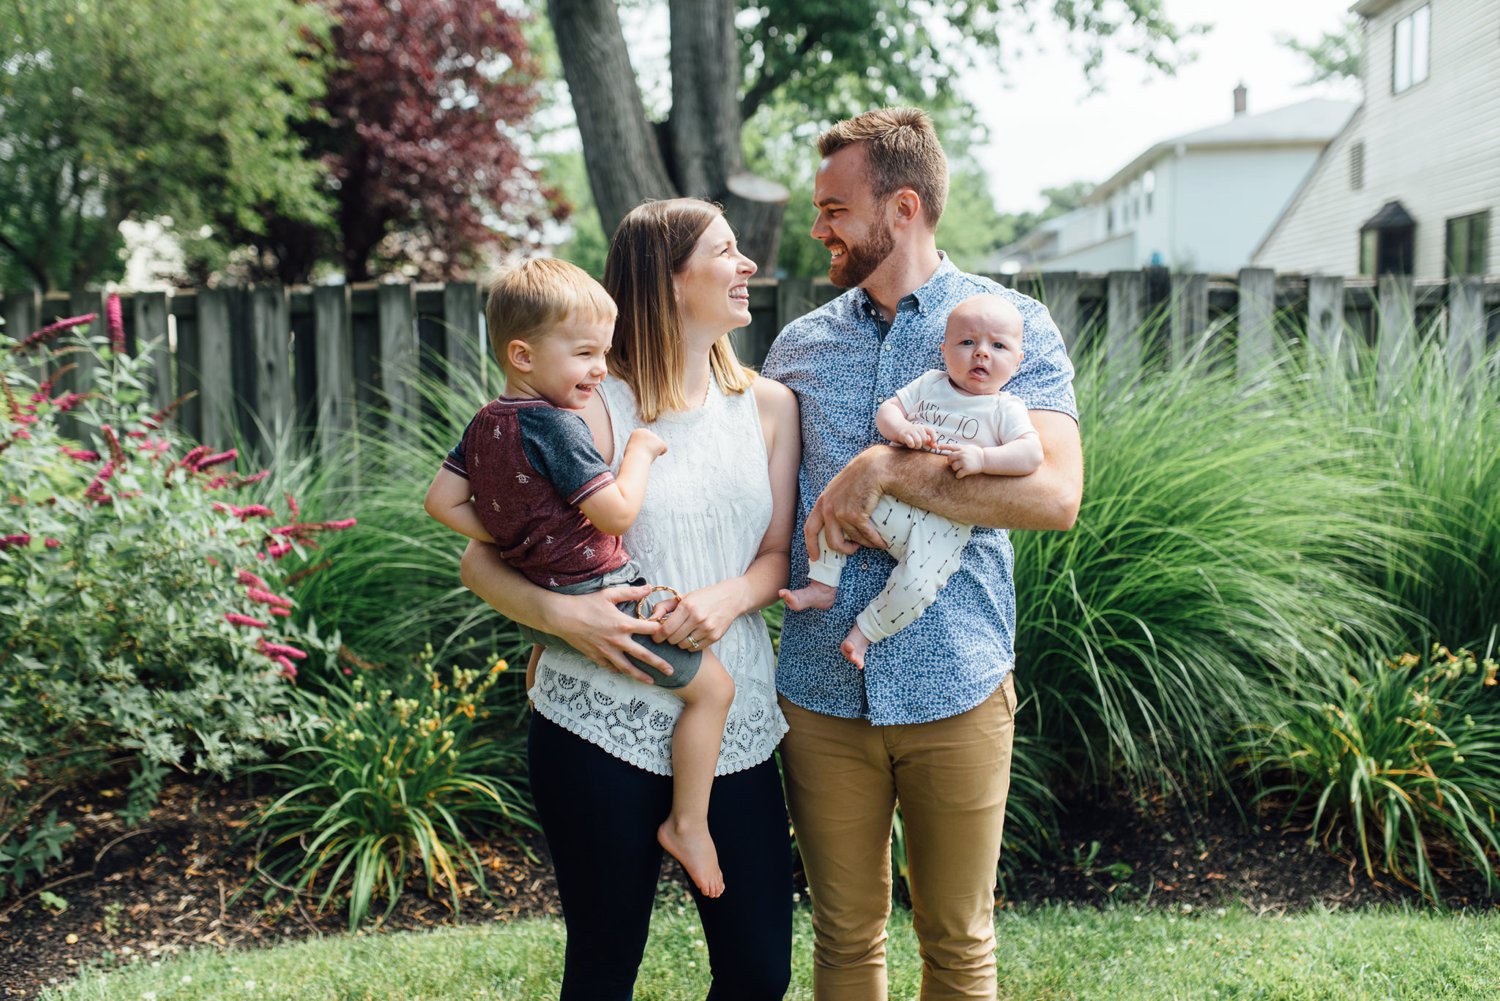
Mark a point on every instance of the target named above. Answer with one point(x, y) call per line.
point(854, 646)
point(815, 595)
point(693, 846)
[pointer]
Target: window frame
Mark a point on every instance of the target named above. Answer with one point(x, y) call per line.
point(1474, 231)
point(1411, 50)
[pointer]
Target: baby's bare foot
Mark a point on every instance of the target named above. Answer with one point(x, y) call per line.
point(692, 845)
point(854, 646)
point(815, 595)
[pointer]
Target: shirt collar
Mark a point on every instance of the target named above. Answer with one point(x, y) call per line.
point(924, 296)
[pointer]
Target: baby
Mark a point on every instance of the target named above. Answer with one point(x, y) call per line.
point(528, 478)
point(964, 413)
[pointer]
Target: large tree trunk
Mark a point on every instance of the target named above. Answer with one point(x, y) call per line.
point(624, 162)
point(698, 150)
point(704, 130)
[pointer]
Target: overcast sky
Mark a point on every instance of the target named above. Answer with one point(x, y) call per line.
point(1070, 135)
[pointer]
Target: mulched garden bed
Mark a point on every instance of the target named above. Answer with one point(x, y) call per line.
point(174, 883)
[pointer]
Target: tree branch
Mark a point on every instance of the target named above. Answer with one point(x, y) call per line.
point(26, 262)
point(767, 82)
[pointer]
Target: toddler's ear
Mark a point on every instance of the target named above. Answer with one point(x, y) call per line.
point(518, 353)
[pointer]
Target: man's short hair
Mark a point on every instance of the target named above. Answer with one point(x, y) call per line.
point(901, 151)
point(528, 299)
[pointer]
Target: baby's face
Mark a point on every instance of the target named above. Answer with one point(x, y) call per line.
point(982, 350)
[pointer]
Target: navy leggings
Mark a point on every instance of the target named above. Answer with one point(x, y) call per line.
point(600, 816)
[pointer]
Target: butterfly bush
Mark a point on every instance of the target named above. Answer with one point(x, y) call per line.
point(144, 581)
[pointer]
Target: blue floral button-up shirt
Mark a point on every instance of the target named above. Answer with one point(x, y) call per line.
point(843, 361)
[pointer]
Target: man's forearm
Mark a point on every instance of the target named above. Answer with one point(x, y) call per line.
point(1046, 499)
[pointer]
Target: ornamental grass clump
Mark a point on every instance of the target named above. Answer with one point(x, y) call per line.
point(393, 772)
point(145, 622)
point(1222, 554)
point(1399, 765)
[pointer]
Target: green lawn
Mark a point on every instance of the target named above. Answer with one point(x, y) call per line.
point(1050, 953)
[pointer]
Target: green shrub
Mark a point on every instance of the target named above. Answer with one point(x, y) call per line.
point(393, 771)
point(1222, 556)
point(1399, 764)
point(142, 611)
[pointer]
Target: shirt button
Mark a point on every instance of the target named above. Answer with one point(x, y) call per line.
point(886, 348)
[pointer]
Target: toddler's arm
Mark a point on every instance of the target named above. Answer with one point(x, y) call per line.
point(613, 508)
point(1017, 457)
point(891, 421)
point(450, 501)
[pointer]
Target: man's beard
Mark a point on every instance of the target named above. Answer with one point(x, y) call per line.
point(860, 261)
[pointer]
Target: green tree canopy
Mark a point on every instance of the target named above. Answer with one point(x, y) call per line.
point(113, 110)
point(1333, 55)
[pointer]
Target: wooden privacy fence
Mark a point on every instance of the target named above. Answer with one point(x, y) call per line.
point(264, 358)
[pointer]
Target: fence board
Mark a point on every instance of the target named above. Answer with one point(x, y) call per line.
point(23, 317)
point(1059, 292)
point(333, 347)
point(1466, 333)
point(397, 324)
point(148, 315)
point(1122, 330)
point(270, 343)
point(1189, 315)
point(1395, 330)
point(1325, 320)
point(464, 340)
point(1255, 346)
point(214, 372)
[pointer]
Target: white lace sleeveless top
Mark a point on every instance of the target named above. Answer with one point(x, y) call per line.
point(706, 510)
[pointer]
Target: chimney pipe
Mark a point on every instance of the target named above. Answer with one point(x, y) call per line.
point(1239, 100)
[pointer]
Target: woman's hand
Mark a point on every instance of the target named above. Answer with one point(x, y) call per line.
point(704, 615)
point(592, 625)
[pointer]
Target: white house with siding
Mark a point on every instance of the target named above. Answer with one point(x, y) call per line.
point(1199, 201)
point(1412, 184)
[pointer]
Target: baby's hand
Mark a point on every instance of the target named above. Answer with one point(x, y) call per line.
point(916, 436)
point(647, 439)
point(964, 460)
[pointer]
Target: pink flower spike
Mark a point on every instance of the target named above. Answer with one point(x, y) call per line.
point(256, 478)
point(282, 650)
point(20, 539)
point(52, 543)
point(254, 511)
point(291, 503)
point(82, 455)
point(267, 598)
point(284, 613)
point(116, 323)
point(288, 669)
point(190, 460)
point(51, 330)
point(218, 459)
point(236, 619)
point(248, 578)
point(277, 550)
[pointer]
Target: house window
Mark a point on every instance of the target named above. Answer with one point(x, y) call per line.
point(1413, 38)
point(1356, 165)
point(1466, 249)
point(1387, 242)
point(1148, 184)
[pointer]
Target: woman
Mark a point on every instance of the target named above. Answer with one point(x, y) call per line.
point(716, 525)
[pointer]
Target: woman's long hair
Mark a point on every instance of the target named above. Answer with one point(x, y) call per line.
point(650, 245)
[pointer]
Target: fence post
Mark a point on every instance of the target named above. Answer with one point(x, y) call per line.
point(1466, 334)
point(1255, 345)
point(1189, 315)
point(1059, 291)
point(1122, 331)
point(397, 323)
point(333, 346)
point(463, 350)
point(270, 339)
point(1396, 328)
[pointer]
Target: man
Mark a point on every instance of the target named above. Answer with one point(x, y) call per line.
point(929, 721)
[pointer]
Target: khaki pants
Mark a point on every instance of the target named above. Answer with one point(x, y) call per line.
point(844, 778)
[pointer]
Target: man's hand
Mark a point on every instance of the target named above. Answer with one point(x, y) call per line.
point(964, 460)
point(842, 511)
